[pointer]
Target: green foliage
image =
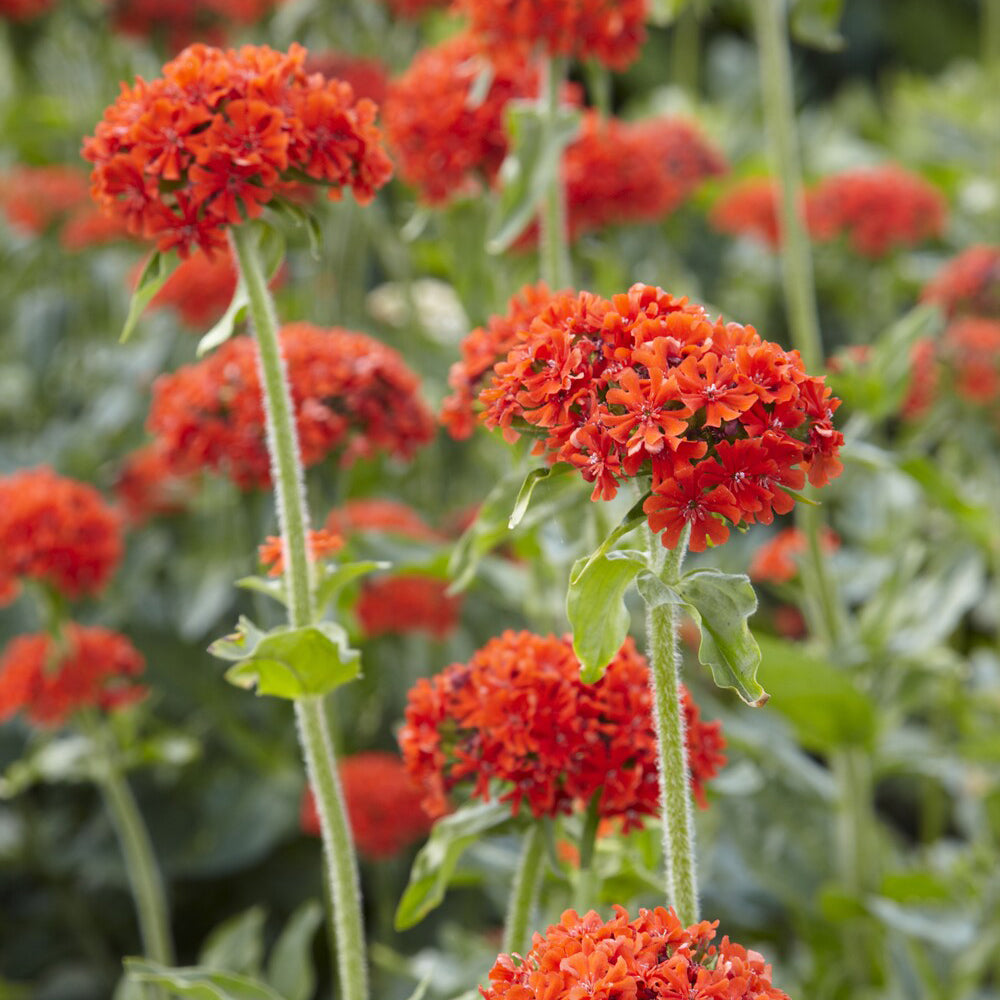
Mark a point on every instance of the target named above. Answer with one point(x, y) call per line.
point(152, 278)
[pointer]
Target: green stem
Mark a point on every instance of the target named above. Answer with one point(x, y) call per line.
point(553, 238)
point(140, 862)
point(586, 882)
point(686, 49)
point(991, 35)
point(313, 726)
point(524, 892)
point(668, 715)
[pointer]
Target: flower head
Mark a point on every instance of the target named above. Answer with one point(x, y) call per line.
point(352, 395)
point(367, 76)
point(749, 208)
point(378, 514)
point(57, 531)
point(24, 10)
point(33, 198)
point(776, 560)
point(408, 602)
point(383, 804)
point(207, 144)
point(653, 957)
point(321, 544)
point(969, 283)
point(517, 713)
point(147, 486)
point(49, 679)
point(724, 423)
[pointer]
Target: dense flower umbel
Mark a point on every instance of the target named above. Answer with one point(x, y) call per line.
point(609, 31)
point(352, 395)
point(644, 384)
point(408, 602)
point(57, 531)
point(518, 713)
point(749, 208)
point(969, 283)
point(652, 957)
point(776, 560)
point(49, 679)
point(211, 142)
point(446, 144)
point(877, 209)
point(383, 805)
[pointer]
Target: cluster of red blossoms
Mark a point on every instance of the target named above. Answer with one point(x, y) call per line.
point(776, 560)
point(320, 544)
point(749, 208)
point(378, 514)
point(725, 423)
point(609, 31)
point(57, 531)
point(184, 21)
point(368, 77)
point(23, 10)
point(147, 487)
point(519, 714)
point(968, 284)
point(219, 134)
point(351, 394)
point(383, 805)
point(50, 679)
point(652, 957)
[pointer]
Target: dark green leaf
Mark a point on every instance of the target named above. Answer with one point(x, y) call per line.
point(237, 944)
point(435, 864)
point(199, 983)
point(290, 968)
point(815, 23)
point(153, 277)
point(532, 479)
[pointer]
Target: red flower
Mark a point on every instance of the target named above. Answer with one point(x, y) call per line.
point(749, 208)
point(722, 422)
point(383, 805)
point(652, 957)
point(24, 10)
point(969, 283)
point(447, 144)
point(407, 603)
point(878, 209)
point(33, 198)
point(57, 531)
point(205, 145)
point(352, 395)
point(147, 487)
point(517, 713)
point(367, 77)
point(414, 8)
point(381, 515)
point(49, 679)
point(322, 543)
point(775, 561)
point(610, 31)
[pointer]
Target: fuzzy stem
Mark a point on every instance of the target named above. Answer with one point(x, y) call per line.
point(313, 727)
point(668, 716)
point(553, 239)
point(524, 892)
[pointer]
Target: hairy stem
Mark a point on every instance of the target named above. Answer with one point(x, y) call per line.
point(524, 892)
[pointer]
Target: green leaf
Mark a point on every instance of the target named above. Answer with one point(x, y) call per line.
point(720, 604)
point(223, 329)
point(422, 987)
point(289, 662)
point(154, 276)
point(825, 708)
point(532, 479)
point(271, 586)
point(299, 215)
point(815, 23)
point(198, 982)
point(237, 944)
point(535, 155)
point(665, 12)
point(340, 576)
point(290, 969)
point(436, 861)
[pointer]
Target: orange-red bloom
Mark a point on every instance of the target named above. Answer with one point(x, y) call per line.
point(518, 714)
point(652, 957)
point(368, 77)
point(724, 423)
point(413, 8)
point(184, 21)
point(321, 543)
point(610, 31)
point(382, 515)
point(204, 146)
point(407, 602)
point(383, 805)
point(49, 680)
point(352, 395)
point(749, 208)
point(57, 531)
point(147, 486)
point(33, 198)
point(969, 283)
point(24, 10)
point(877, 210)
point(776, 560)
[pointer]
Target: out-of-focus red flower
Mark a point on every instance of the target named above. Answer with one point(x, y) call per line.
point(89, 227)
point(33, 198)
point(147, 486)
point(610, 31)
point(775, 561)
point(788, 622)
point(447, 144)
point(413, 8)
point(183, 21)
point(749, 208)
point(724, 423)
point(518, 713)
point(24, 10)
point(352, 395)
point(652, 957)
point(923, 379)
point(969, 283)
point(877, 210)
point(49, 680)
point(57, 531)
point(207, 144)
point(383, 805)
point(368, 77)
point(321, 543)
point(380, 514)
point(407, 603)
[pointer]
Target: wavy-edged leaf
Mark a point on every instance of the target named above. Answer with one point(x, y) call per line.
point(531, 480)
point(290, 967)
point(154, 276)
point(436, 861)
point(198, 982)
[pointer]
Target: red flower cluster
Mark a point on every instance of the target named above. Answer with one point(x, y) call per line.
point(383, 805)
point(518, 713)
point(408, 602)
point(367, 77)
point(610, 31)
point(650, 958)
point(382, 515)
point(147, 486)
point(57, 531)
point(969, 283)
point(211, 142)
point(321, 543)
point(351, 394)
point(184, 21)
point(775, 561)
point(749, 208)
point(50, 679)
point(646, 384)
point(876, 209)
point(446, 144)
point(24, 10)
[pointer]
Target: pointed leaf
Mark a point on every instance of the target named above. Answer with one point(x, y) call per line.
point(237, 944)
point(239, 644)
point(223, 329)
point(340, 576)
point(154, 276)
point(532, 479)
point(436, 861)
point(198, 982)
point(270, 586)
point(290, 968)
